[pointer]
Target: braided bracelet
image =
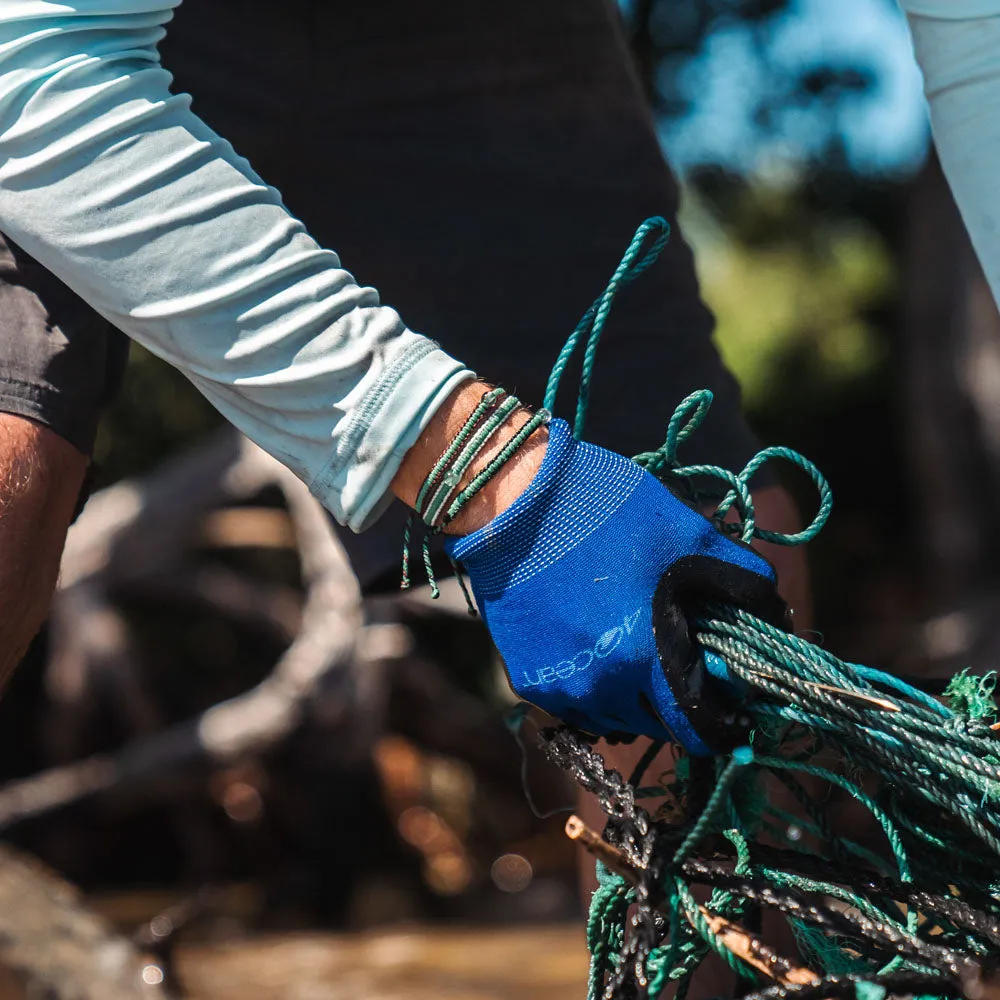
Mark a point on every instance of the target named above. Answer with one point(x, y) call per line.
point(437, 502)
point(506, 453)
point(442, 481)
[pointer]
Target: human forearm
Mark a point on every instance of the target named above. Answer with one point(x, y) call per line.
point(501, 491)
point(115, 186)
point(40, 480)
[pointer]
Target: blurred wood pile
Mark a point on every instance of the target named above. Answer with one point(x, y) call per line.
point(52, 947)
point(218, 702)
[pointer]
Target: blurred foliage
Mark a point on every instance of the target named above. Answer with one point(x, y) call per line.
point(666, 34)
point(801, 259)
point(805, 289)
point(799, 102)
point(777, 290)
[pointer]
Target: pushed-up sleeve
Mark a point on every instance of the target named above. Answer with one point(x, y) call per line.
point(114, 185)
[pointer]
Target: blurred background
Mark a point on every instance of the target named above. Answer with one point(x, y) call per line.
point(374, 785)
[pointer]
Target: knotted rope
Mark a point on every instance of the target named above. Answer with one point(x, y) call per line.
point(916, 912)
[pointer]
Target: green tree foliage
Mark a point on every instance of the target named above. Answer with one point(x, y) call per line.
point(802, 266)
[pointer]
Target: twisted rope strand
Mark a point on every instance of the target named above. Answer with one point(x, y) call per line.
point(927, 771)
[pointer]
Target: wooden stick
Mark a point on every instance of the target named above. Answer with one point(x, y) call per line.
point(577, 830)
point(866, 699)
point(742, 944)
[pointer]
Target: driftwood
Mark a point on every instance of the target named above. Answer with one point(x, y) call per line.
point(133, 536)
point(352, 670)
point(52, 947)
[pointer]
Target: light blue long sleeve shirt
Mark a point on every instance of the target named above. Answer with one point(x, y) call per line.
point(957, 43)
point(114, 185)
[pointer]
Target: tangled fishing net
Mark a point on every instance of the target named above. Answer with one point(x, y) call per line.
point(723, 840)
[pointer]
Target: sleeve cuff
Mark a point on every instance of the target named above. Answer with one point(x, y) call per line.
point(354, 484)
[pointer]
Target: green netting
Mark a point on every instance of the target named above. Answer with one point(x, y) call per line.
point(907, 904)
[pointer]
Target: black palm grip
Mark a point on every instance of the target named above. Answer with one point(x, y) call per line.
point(688, 587)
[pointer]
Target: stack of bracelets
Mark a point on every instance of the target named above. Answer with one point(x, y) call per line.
point(441, 498)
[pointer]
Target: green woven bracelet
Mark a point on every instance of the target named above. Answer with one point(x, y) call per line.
point(438, 500)
point(488, 401)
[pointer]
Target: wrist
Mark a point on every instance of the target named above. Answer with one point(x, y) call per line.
point(506, 485)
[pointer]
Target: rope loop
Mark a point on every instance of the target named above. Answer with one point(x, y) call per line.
point(737, 496)
point(687, 418)
point(594, 319)
point(822, 515)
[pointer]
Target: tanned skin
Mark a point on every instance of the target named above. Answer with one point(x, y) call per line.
point(501, 491)
point(40, 480)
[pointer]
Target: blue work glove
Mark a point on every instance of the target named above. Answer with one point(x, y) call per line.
point(584, 584)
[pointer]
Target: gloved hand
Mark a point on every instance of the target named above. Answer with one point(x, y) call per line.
point(584, 584)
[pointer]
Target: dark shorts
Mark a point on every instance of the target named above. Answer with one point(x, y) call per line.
point(497, 159)
point(60, 362)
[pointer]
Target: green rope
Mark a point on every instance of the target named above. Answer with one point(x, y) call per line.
point(604, 927)
point(913, 914)
point(592, 324)
point(972, 696)
point(741, 758)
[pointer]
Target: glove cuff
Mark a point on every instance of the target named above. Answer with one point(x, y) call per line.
point(577, 489)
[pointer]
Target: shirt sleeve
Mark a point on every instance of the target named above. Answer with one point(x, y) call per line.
point(957, 43)
point(114, 185)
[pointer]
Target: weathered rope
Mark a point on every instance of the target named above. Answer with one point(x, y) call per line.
point(911, 913)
